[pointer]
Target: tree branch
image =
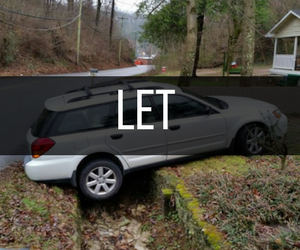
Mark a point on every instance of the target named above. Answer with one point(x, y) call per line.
point(157, 6)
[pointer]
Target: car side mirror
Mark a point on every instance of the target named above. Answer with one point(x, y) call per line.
point(208, 110)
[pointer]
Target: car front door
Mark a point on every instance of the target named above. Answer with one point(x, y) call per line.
point(193, 127)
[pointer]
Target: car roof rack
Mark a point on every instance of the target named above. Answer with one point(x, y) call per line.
point(113, 92)
point(99, 85)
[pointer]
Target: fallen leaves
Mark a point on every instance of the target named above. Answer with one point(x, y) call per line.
point(35, 215)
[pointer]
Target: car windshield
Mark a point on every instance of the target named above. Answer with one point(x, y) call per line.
point(208, 99)
point(39, 124)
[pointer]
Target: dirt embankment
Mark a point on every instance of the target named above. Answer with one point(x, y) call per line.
point(31, 67)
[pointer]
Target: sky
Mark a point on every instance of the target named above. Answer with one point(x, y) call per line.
point(127, 5)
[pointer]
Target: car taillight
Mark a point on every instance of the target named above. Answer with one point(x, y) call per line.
point(41, 146)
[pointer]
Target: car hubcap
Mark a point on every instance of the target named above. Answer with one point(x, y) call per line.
point(101, 180)
point(255, 140)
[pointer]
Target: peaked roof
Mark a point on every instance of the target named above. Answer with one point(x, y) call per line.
point(283, 21)
point(297, 12)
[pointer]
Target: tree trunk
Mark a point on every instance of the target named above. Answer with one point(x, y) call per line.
point(248, 38)
point(70, 5)
point(98, 13)
point(111, 21)
point(283, 162)
point(200, 24)
point(191, 42)
point(232, 42)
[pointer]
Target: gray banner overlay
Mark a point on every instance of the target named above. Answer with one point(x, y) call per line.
point(196, 125)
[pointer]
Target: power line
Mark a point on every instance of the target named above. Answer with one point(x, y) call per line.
point(115, 35)
point(49, 29)
point(128, 4)
point(32, 16)
point(127, 12)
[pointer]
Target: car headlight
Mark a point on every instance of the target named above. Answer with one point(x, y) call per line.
point(277, 113)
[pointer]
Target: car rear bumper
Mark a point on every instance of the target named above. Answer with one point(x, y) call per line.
point(54, 167)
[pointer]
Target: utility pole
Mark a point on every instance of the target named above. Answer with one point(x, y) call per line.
point(79, 31)
point(120, 44)
point(135, 42)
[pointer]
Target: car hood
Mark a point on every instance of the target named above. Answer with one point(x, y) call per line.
point(245, 102)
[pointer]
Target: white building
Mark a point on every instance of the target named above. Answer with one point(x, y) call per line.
point(286, 32)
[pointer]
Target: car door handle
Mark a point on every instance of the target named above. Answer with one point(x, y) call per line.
point(174, 127)
point(116, 136)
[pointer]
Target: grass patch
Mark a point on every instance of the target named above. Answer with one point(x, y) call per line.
point(36, 207)
point(170, 73)
point(35, 215)
point(251, 202)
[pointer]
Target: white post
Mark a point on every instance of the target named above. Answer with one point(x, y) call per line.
point(295, 52)
point(275, 52)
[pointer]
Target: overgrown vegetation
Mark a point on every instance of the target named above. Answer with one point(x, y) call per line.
point(259, 210)
point(251, 201)
point(34, 215)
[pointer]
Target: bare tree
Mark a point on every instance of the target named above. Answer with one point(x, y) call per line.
point(200, 24)
point(70, 5)
point(111, 21)
point(99, 3)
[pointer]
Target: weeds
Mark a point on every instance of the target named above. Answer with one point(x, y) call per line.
point(258, 210)
point(8, 49)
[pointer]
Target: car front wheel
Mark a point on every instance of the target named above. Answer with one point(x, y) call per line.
point(100, 179)
point(251, 140)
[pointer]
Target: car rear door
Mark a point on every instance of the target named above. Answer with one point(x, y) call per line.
point(138, 147)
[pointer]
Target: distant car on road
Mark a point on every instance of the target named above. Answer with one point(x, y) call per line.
point(77, 139)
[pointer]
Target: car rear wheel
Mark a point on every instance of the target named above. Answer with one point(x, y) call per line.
point(251, 140)
point(100, 179)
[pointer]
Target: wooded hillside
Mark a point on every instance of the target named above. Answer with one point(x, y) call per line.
point(41, 36)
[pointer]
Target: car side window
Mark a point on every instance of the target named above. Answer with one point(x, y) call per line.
point(180, 106)
point(130, 112)
point(94, 117)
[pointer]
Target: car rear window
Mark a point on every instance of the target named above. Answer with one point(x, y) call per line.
point(41, 121)
point(89, 118)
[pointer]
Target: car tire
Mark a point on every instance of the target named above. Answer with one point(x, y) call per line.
point(251, 139)
point(100, 179)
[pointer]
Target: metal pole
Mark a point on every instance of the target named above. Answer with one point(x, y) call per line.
point(79, 31)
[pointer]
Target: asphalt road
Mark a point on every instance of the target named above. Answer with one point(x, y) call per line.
point(22, 100)
point(130, 71)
